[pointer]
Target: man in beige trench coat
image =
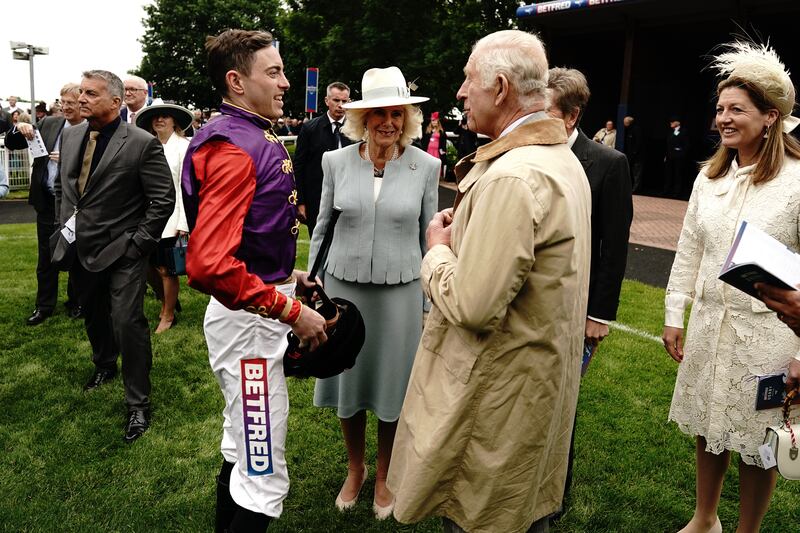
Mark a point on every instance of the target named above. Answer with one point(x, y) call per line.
point(485, 428)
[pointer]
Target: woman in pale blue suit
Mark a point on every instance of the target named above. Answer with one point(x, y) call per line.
point(388, 192)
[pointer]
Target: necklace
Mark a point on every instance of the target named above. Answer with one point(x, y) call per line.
point(378, 172)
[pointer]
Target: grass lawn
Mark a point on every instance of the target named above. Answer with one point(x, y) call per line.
point(65, 468)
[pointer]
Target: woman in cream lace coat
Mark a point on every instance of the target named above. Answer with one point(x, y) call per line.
point(732, 338)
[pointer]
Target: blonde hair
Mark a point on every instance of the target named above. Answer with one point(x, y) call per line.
point(355, 127)
point(72, 88)
point(430, 128)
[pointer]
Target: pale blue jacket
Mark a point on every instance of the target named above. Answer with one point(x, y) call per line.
point(379, 241)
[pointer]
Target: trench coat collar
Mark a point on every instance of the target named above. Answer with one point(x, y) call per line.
point(535, 131)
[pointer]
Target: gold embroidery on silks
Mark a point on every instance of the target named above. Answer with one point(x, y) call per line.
point(296, 228)
point(293, 197)
point(270, 137)
point(286, 166)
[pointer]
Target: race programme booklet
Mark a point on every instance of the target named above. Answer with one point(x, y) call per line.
point(757, 257)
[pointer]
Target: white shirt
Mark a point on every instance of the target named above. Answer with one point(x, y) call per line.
point(333, 126)
point(132, 114)
point(511, 127)
point(52, 166)
point(572, 137)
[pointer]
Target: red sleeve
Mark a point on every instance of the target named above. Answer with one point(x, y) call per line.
point(227, 180)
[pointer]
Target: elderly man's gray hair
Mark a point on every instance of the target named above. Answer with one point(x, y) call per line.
point(519, 56)
point(115, 86)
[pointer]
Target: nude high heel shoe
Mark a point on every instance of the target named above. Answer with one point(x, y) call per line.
point(347, 505)
point(382, 513)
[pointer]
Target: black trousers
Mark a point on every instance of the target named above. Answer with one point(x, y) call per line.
point(636, 174)
point(312, 212)
point(46, 273)
point(112, 302)
point(673, 176)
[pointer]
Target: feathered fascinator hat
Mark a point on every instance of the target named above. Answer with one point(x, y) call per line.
point(761, 66)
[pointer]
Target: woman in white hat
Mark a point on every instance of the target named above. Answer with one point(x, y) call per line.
point(754, 176)
point(168, 122)
point(388, 191)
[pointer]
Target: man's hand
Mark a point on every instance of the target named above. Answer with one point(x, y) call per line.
point(26, 130)
point(673, 342)
point(785, 302)
point(304, 285)
point(54, 156)
point(793, 381)
point(595, 331)
point(439, 228)
point(301, 212)
point(310, 328)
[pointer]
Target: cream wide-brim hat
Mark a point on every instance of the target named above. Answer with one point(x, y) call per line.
point(183, 117)
point(384, 87)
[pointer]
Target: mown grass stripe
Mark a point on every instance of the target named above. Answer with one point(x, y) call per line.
point(633, 331)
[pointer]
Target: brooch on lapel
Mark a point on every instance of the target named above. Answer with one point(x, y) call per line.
point(413, 166)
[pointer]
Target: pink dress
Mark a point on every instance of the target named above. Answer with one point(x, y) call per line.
point(433, 145)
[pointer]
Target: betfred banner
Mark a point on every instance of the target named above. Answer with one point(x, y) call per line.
point(312, 81)
point(555, 6)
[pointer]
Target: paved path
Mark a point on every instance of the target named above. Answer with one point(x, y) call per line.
point(654, 232)
point(16, 212)
point(657, 222)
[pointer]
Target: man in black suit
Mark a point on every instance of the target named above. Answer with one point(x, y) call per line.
point(316, 137)
point(612, 211)
point(634, 150)
point(41, 196)
point(113, 198)
point(675, 160)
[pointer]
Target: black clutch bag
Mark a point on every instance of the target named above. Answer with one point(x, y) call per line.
point(345, 328)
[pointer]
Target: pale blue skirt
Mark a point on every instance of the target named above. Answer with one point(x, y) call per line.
point(393, 319)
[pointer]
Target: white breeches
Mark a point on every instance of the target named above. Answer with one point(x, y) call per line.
point(246, 355)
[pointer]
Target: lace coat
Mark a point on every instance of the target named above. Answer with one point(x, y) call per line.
point(731, 337)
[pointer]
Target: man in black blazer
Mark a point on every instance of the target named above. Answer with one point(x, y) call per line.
point(675, 159)
point(318, 136)
point(41, 196)
point(634, 151)
point(114, 197)
point(612, 210)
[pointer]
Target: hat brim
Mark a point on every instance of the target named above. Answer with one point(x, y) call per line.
point(385, 102)
point(183, 117)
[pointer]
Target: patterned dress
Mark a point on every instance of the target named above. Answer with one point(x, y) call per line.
point(731, 337)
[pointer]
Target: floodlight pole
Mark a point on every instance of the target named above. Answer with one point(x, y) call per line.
point(23, 51)
point(33, 100)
